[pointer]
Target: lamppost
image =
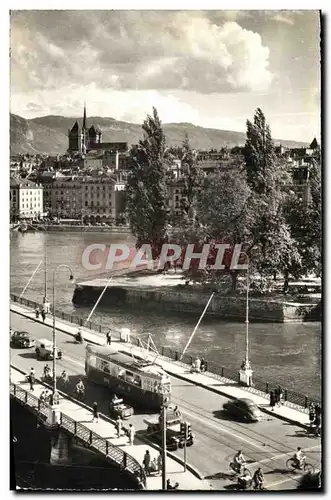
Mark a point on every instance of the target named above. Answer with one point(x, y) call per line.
point(164, 442)
point(54, 330)
point(246, 371)
point(45, 300)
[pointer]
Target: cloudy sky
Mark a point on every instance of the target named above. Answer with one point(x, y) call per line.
point(210, 68)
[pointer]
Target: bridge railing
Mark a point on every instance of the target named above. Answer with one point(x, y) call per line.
point(259, 385)
point(80, 431)
point(70, 318)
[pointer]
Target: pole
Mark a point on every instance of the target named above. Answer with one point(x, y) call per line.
point(45, 292)
point(164, 447)
point(54, 330)
point(247, 315)
point(197, 325)
point(185, 450)
point(54, 339)
point(247, 312)
point(28, 283)
point(97, 302)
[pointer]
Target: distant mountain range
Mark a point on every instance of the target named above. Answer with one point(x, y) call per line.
point(49, 134)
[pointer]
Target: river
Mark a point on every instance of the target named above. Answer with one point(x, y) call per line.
point(287, 353)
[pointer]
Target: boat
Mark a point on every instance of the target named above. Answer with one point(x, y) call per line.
point(142, 382)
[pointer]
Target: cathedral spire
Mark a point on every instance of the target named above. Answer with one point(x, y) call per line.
point(84, 117)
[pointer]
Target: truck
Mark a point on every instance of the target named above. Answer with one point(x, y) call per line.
point(174, 432)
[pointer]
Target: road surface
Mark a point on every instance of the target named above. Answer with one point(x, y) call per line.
point(268, 443)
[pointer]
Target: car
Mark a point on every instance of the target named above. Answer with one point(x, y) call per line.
point(22, 339)
point(244, 409)
point(44, 350)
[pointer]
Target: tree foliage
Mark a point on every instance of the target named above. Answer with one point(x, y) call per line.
point(146, 188)
point(191, 176)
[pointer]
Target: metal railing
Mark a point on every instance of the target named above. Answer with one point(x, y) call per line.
point(70, 318)
point(213, 370)
point(259, 385)
point(80, 431)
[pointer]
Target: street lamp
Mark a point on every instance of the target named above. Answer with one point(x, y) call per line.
point(246, 371)
point(54, 331)
point(164, 442)
point(45, 300)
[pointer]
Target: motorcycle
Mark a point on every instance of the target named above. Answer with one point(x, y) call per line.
point(236, 468)
point(79, 338)
point(172, 487)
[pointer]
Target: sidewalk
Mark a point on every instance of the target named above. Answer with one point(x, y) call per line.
point(106, 429)
point(225, 387)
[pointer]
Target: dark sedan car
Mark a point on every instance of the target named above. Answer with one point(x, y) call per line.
point(243, 409)
point(21, 339)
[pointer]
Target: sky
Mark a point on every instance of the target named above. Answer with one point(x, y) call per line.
point(209, 68)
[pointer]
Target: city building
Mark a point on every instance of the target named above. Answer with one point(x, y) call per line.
point(98, 198)
point(26, 199)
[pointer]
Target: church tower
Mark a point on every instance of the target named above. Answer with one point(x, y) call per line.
point(74, 136)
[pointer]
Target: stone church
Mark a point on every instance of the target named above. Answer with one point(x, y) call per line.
point(83, 139)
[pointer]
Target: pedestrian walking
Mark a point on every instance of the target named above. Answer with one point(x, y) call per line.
point(95, 412)
point(37, 313)
point(317, 409)
point(42, 399)
point(272, 400)
point(43, 315)
point(203, 365)
point(131, 433)
point(311, 414)
point(147, 462)
point(119, 424)
point(108, 336)
point(159, 463)
point(32, 380)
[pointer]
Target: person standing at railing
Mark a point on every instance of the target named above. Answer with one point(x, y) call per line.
point(32, 379)
point(311, 414)
point(272, 400)
point(119, 424)
point(43, 315)
point(108, 337)
point(147, 462)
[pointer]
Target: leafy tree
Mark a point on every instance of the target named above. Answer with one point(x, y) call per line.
point(146, 187)
point(259, 154)
point(222, 216)
point(191, 177)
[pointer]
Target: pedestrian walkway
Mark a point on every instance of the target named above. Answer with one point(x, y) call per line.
point(105, 429)
point(226, 387)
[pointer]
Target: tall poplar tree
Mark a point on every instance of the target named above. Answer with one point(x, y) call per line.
point(259, 154)
point(146, 193)
point(192, 178)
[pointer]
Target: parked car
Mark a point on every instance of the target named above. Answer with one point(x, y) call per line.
point(22, 339)
point(44, 350)
point(244, 409)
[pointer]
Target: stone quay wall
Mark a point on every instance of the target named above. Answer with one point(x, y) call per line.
point(178, 299)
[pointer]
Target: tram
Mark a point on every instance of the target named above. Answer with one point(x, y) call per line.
point(142, 382)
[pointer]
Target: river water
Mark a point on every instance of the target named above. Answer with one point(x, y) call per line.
point(286, 353)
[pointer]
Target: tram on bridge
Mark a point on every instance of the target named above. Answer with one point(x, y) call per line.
point(142, 382)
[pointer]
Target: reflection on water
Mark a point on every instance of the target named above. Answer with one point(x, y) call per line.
point(288, 353)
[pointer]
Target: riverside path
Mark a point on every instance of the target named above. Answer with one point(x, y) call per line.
point(268, 443)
